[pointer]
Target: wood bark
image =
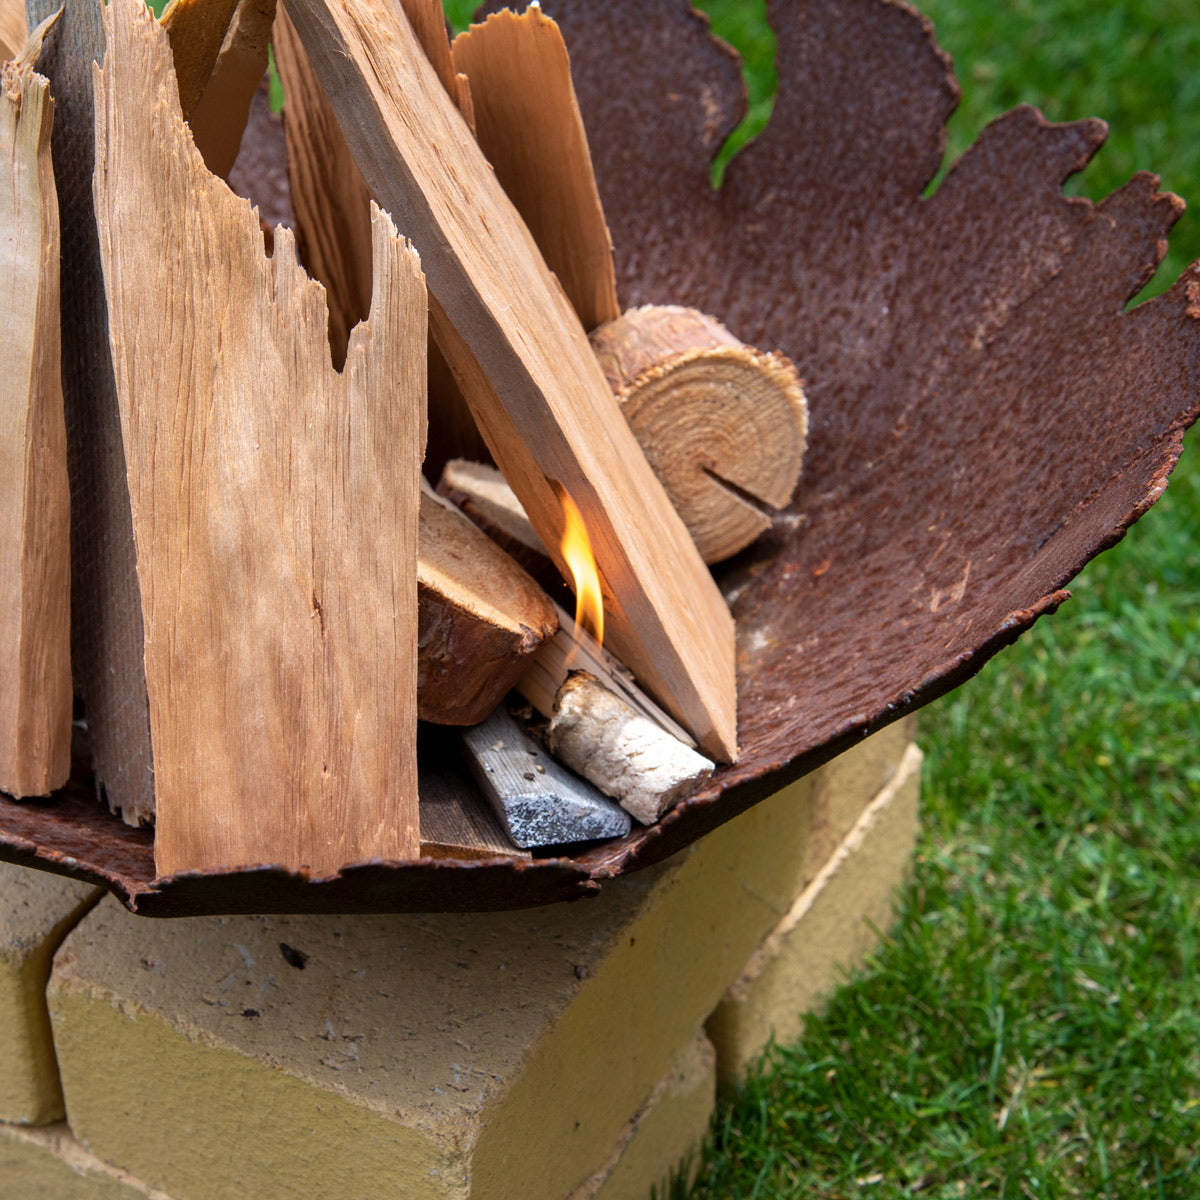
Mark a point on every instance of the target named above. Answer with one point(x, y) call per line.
point(220, 53)
point(625, 754)
point(274, 501)
point(106, 613)
point(723, 425)
point(480, 617)
point(13, 30)
point(528, 124)
point(523, 361)
point(35, 635)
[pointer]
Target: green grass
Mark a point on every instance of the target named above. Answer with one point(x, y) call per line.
point(1031, 1027)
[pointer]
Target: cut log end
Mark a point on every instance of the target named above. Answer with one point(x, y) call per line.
point(723, 425)
point(626, 755)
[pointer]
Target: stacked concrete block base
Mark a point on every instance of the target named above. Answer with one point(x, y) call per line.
point(566, 1052)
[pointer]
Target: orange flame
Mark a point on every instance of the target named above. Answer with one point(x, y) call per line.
point(577, 550)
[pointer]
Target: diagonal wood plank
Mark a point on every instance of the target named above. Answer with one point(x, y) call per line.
point(274, 501)
point(523, 360)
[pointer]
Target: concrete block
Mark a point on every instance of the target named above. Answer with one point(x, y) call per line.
point(36, 910)
point(831, 929)
point(49, 1164)
point(451, 1056)
point(666, 1134)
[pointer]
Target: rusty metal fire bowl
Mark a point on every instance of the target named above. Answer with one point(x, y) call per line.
point(986, 415)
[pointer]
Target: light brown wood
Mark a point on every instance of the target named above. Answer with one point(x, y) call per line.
point(219, 116)
point(428, 21)
point(274, 501)
point(197, 30)
point(724, 425)
point(482, 494)
point(481, 616)
point(625, 754)
point(13, 30)
point(331, 200)
point(35, 586)
point(529, 126)
point(523, 361)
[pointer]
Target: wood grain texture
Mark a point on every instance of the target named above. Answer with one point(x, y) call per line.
point(480, 617)
point(197, 30)
point(724, 425)
point(35, 658)
point(106, 616)
point(528, 125)
point(523, 361)
point(428, 21)
point(274, 502)
point(13, 30)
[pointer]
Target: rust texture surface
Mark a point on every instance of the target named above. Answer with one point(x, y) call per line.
point(986, 416)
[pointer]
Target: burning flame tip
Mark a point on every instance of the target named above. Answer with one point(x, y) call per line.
point(577, 550)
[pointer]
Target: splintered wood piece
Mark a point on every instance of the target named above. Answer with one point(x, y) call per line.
point(480, 617)
point(274, 501)
point(330, 197)
point(524, 363)
point(625, 754)
point(528, 125)
point(482, 493)
point(13, 30)
point(197, 30)
point(539, 802)
point(35, 586)
point(723, 425)
point(219, 114)
point(106, 613)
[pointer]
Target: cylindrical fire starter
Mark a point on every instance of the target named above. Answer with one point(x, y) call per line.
point(626, 755)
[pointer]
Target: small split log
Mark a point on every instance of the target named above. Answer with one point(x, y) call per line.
point(220, 53)
point(625, 754)
point(482, 494)
point(723, 425)
point(274, 501)
point(480, 617)
point(35, 661)
point(529, 126)
point(522, 359)
point(539, 802)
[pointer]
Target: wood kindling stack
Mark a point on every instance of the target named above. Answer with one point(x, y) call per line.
point(523, 361)
point(35, 665)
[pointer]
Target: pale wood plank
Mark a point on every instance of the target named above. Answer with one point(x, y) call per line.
point(274, 501)
point(523, 361)
point(529, 126)
point(35, 659)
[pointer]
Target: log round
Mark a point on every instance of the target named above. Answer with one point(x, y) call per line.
point(985, 415)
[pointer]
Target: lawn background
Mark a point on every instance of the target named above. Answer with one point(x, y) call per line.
point(1030, 1028)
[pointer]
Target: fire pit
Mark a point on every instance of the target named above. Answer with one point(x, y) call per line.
point(985, 415)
